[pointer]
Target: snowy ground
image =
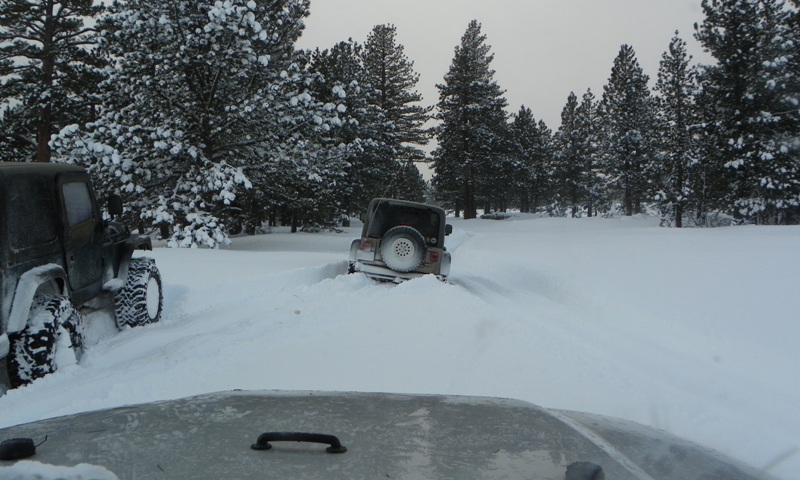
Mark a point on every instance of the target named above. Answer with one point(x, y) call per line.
point(693, 331)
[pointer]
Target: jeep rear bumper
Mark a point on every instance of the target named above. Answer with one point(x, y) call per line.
point(377, 272)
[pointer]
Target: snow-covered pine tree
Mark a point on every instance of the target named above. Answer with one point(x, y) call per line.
point(500, 186)
point(678, 164)
point(793, 99)
point(409, 183)
point(340, 68)
point(471, 109)
point(578, 181)
point(569, 169)
point(205, 99)
point(751, 97)
point(628, 138)
point(299, 165)
point(50, 72)
point(389, 81)
point(372, 167)
point(533, 149)
point(589, 128)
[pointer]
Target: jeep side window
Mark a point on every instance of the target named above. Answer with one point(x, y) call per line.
point(77, 202)
point(31, 216)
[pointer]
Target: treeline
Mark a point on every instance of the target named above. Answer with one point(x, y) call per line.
point(710, 142)
point(209, 121)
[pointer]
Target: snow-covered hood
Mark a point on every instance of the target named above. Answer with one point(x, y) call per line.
point(385, 435)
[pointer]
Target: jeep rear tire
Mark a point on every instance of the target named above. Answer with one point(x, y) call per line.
point(52, 338)
point(141, 299)
point(403, 249)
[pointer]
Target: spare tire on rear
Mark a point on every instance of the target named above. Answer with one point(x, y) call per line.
point(403, 248)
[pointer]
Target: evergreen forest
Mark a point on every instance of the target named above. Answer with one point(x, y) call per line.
point(209, 121)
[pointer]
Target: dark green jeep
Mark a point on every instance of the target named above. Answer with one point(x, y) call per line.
point(59, 259)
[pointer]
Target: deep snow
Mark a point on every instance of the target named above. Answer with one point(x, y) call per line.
point(693, 331)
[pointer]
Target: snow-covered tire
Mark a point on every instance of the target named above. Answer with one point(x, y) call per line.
point(403, 248)
point(141, 300)
point(54, 336)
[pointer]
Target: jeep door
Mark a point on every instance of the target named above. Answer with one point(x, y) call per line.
point(83, 236)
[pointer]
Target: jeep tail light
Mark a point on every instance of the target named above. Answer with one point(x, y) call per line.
point(366, 246)
point(434, 256)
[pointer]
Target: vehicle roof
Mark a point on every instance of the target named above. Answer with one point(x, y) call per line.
point(37, 168)
point(386, 436)
point(394, 201)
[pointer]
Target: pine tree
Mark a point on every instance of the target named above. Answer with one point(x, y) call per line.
point(207, 101)
point(628, 119)
point(679, 158)
point(50, 72)
point(588, 138)
point(389, 82)
point(577, 159)
point(471, 109)
point(533, 150)
point(751, 97)
point(793, 98)
point(501, 184)
point(409, 183)
point(369, 159)
point(570, 169)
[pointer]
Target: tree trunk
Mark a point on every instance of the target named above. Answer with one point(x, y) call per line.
point(273, 217)
point(469, 202)
point(574, 199)
point(44, 129)
point(628, 200)
point(679, 189)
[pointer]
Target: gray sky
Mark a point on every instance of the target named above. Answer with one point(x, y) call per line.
point(543, 48)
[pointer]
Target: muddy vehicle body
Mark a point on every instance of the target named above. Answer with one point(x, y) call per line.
point(401, 240)
point(58, 260)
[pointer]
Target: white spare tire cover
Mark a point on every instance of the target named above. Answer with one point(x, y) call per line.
point(403, 249)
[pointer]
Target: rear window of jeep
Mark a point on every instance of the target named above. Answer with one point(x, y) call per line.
point(387, 216)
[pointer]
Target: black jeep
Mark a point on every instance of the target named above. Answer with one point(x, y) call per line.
point(59, 259)
point(401, 240)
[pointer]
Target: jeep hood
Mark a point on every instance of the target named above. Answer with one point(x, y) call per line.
point(385, 435)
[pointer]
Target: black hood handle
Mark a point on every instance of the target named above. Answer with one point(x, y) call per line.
point(263, 440)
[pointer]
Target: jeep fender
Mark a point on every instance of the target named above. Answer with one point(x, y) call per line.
point(5, 345)
point(354, 246)
point(444, 270)
point(27, 286)
point(135, 242)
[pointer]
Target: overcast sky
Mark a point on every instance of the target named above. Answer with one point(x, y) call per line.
point(543, 48)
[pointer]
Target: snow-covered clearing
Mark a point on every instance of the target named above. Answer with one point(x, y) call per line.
point(694, 331)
